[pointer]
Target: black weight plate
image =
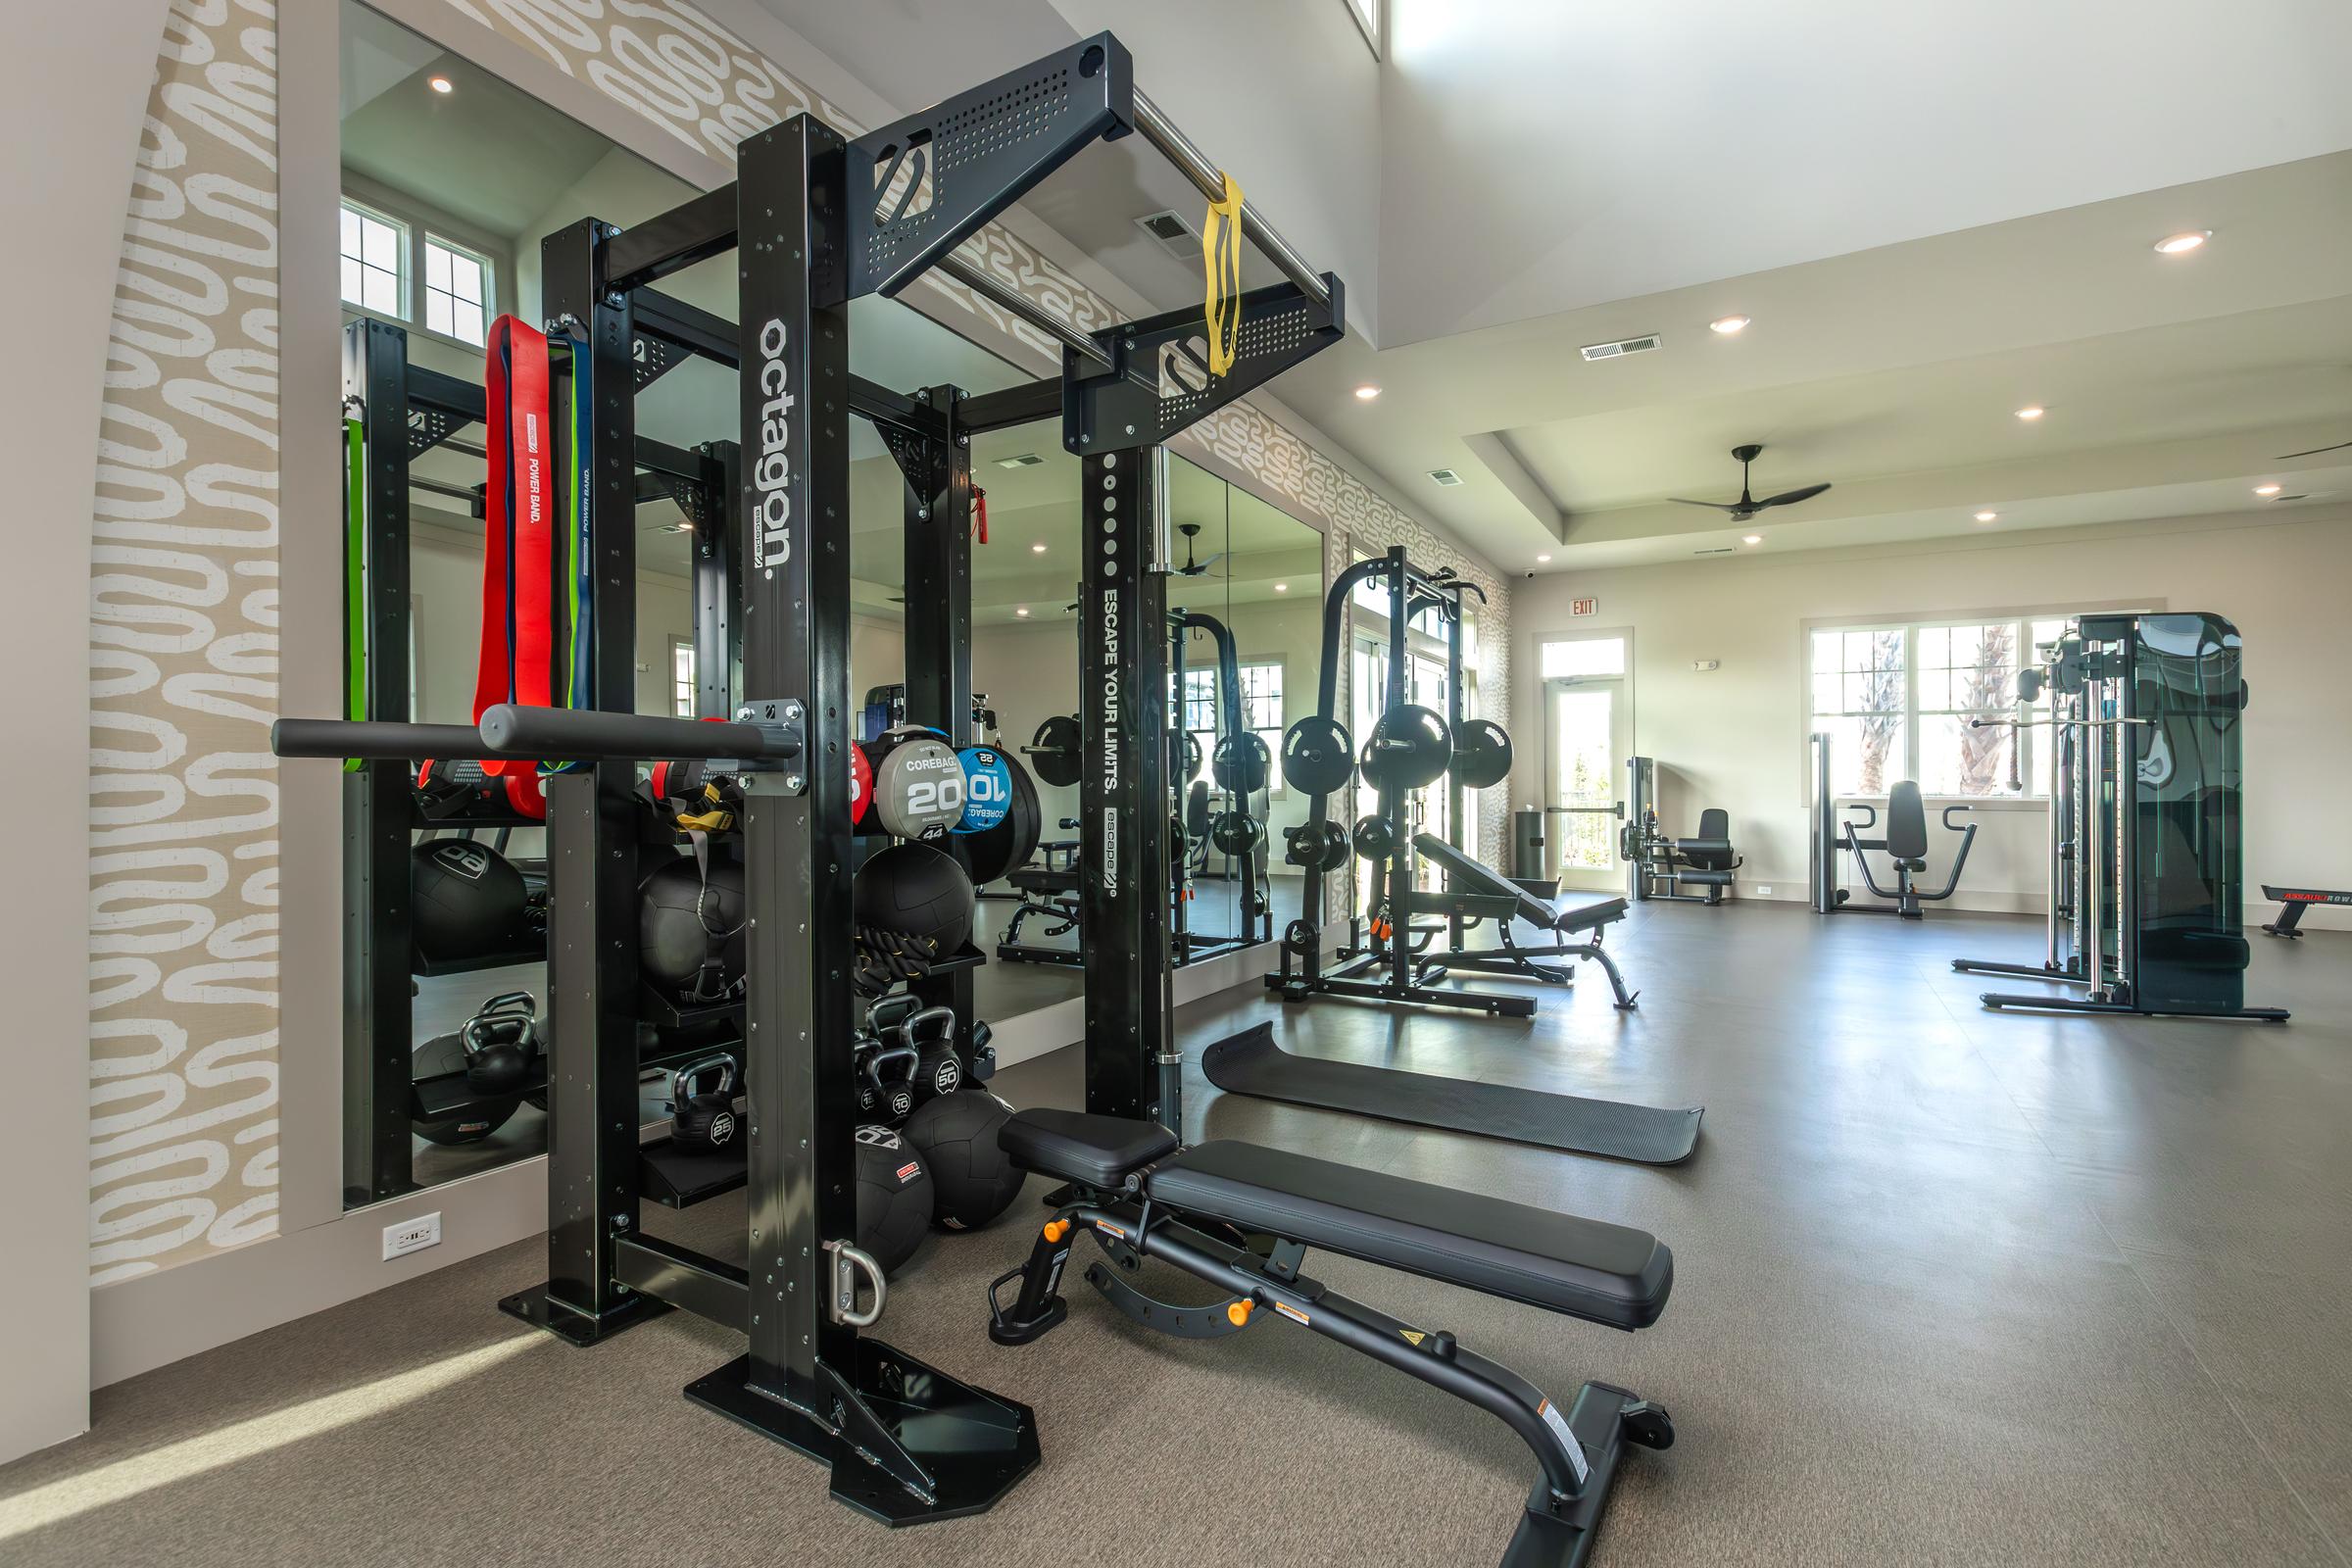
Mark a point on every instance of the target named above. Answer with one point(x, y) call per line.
point(1316, 846)
point(1052, 751)
point(1315, 755)
point(1237, 833)
point(1242, 764)
point(1409, 747)
point(1482, 754)
point(1374, 838)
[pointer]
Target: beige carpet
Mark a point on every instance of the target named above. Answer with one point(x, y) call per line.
point(1952, 1288)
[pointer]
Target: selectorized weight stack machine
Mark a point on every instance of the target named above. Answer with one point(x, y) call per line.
point(2145, 846)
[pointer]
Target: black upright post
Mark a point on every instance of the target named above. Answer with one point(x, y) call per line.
point(1454, 727)
point(1180, 914)
point(715, 555)
point(593, 1173)
point(906, 1443)
point(1131, 1063)
point(938, 505)
point(1396, 805)
point(378, 1047)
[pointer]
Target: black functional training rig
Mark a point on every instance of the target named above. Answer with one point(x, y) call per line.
point(816, 220)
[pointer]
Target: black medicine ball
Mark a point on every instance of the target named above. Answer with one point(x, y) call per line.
point(467, 900)
point(682, 921)
point(913, 890)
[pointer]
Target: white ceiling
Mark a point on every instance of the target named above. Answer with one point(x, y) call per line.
point(1540, 157)
point(1932, 220)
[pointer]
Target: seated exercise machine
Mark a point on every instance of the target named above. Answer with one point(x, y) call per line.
point(2146, 852)
point(1140, 1195)
point(1904, 844)
point(1658, 867)
point(2296, 900)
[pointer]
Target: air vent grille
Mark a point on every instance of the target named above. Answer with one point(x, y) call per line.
point(1445, 476)
point(1026, 460)
point(1618, 350)
point(1173, 234)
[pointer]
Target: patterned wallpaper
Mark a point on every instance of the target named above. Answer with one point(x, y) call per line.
point(183, 669)
point(183, 654)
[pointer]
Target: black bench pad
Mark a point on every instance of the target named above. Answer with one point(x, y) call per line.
point(1474, 878)
point(1093, 1150)
point(1604, 1273)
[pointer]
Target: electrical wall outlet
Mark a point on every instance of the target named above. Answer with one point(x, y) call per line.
point(411, 1236)
point(1763, 890)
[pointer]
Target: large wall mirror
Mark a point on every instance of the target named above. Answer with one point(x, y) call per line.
point(439, 239)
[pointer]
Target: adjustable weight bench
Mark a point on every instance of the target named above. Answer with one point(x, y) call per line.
point(1478, 892)
point(1140, 1195)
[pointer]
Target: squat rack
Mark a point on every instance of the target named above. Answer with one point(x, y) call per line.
point(818, 220)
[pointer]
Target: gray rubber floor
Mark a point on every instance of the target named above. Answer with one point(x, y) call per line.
point(1951, 1287)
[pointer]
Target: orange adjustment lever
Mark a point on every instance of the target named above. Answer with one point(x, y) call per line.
point(1057, 1229)
point(1238, 1313)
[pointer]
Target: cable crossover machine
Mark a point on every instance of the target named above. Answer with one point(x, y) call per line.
point(818, 220)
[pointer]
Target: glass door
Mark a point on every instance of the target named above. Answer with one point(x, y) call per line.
point(1589, 735)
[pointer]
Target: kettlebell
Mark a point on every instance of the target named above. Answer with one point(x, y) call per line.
point(886, 1083)
point(938, 1070)
point(500, 1041)
point(703, 1119)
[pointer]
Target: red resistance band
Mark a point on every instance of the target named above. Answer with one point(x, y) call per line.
point(519, 610)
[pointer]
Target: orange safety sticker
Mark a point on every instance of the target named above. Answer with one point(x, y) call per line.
point(1291, 1312)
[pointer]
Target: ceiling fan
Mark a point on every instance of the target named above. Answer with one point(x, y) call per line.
point(1748, 506)
point(2313, 453)
point(1191, 568)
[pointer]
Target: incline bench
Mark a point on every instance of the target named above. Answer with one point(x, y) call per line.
point(1479, 892)
point(1140, 1195)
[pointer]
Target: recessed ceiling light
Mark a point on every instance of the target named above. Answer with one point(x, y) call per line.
point(441, 84)
point(2031, 411)
point(1022, 612)
point(1543, 560)
point(2268, 489)
point(1726, 324)
point(1987, 517)
point(1282, 587)
point(1366, 393)
point(1752, 539)
point(2183, 244)
point(1037, 549)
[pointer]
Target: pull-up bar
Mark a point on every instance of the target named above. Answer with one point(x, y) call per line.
point(1209, 181)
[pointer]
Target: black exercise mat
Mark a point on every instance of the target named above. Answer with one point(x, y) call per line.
point(1253, 1063)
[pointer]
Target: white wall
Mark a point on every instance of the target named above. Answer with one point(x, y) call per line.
point(1735, 737)
point(80, 108)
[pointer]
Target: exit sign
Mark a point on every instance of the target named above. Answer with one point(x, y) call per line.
point(1583, 606)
